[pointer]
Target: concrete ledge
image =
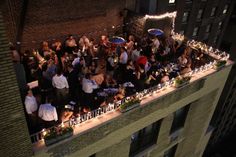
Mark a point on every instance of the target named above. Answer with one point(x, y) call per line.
point(93, 135)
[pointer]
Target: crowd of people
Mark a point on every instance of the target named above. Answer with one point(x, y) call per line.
point(80, 75)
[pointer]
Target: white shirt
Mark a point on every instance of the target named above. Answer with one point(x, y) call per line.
point(47, 112)
point(88, 85)
point(123, 58)
point(59, 82)
point(76, 61)
point(30, 104)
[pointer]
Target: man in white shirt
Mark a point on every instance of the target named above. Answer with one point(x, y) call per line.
point(61, 86)
point(123, 56)
point(88, 87)
point(48, 114)
point(31, 107)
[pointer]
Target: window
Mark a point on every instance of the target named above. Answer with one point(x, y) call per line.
point(171, 1)
point(208, 28)
point(185, 17)
point(195, 31)
point(188, 1)
point(144, 138)
point(181, 32)
point(205, 38)
point(199, 15)
point(213, 12)
point(215, 39)
point(171, 151)
point(225, 9)
point(179, 119)
point(220, 25)
point(146, 7)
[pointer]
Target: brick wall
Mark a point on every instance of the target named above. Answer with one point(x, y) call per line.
point(11, 10)
point(14, 137)
point(56, 19)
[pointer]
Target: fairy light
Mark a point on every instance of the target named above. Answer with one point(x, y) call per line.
point(62, 125)
point(162, 16)
point(44, 132)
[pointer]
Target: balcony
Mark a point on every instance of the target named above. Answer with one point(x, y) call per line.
point(151, 99)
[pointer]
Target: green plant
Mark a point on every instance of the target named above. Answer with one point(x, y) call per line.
point(57, 131)
point(220, 63)
point(129, 103)
point(181, 80)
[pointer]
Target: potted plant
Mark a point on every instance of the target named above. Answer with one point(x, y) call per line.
point(219, 64)
point(57, 134)
point(129, 104)
point(181, 81)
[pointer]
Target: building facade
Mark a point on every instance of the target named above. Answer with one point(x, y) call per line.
point(224, 120)
point(201, 20)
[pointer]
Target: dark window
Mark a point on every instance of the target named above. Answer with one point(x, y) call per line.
point(220, 25)
point(185, 17)
point(213, 11)
point(93, 155)
point(208, 28)
point(144, 138)
point(199, 15)
point(215, 39)
point(146, 6)
point(171, 151)
point(179, 119)
point(195, 31)
point(225, 9)
point(181, 32)
point(188, 1)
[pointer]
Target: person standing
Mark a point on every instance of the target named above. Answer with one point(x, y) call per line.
point(61, 86)
point(88, 86)
point(48, 114)
point(31, 108)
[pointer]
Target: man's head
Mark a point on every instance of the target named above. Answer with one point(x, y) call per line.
point(30, 93)
point(122, 49)
point(59, 71)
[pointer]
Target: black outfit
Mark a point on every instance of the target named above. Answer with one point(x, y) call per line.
point(129, 75)
point(141, 81)
point(73, 85)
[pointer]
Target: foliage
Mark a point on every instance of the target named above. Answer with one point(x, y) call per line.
point(181, 80)
point(220, 63)
point(57, 131)
point(129, 103)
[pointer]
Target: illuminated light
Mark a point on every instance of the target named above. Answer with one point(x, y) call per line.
point(113, 27)
point(62, 125)
point(89, 115)
point(44, 131)
point(162, 16)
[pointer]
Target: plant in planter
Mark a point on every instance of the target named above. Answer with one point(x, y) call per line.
point(57, 134)
point(129, 104)
point(219, 64)
point(181, 81)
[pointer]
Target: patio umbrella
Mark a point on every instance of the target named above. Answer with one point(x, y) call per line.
point(155, 31)
point(117, 40)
